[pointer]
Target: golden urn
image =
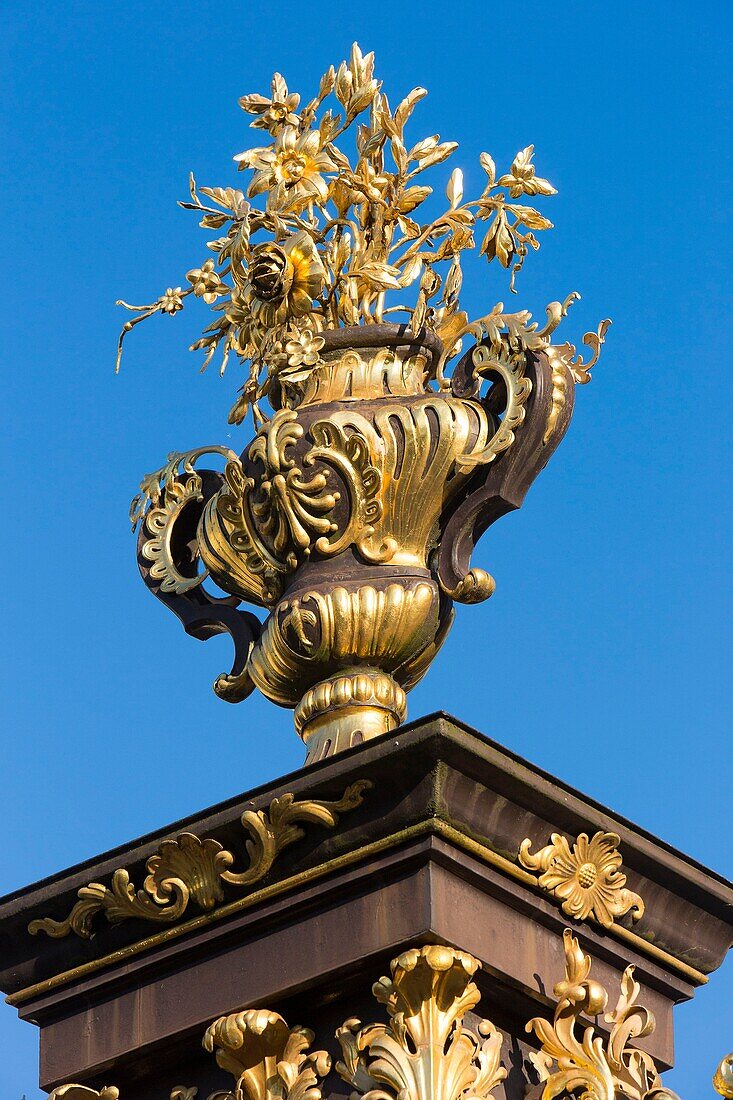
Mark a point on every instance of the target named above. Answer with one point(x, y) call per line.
point(388, 437)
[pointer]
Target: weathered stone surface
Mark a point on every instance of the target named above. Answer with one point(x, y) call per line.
point(427, 856)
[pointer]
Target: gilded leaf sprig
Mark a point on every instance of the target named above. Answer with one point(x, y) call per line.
point(187, 869)
point(326, 229)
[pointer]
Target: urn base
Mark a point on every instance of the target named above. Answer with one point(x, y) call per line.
point(347, 709)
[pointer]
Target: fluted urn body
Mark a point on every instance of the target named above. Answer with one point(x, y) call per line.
point(351, 518)
point(330, 519)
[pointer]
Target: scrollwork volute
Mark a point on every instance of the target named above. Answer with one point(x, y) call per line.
point(574, 1059)
point(189, 871)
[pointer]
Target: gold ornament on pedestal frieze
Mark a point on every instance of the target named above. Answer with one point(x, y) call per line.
point(189, 870)
point(572, 1061)
point(586, 877)
point(425, 1052)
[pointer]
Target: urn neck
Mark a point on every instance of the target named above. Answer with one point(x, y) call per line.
point(364, 374)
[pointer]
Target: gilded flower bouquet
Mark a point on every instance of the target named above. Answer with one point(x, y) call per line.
point(320, 240)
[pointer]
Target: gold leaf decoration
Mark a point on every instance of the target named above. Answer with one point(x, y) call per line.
point(574, 1062)
point(82, 1092)
point(268, 1060)
point(587, 878)
point(723, 1078)
point(190, 1092)
point(187, 869)
point(424, 1052)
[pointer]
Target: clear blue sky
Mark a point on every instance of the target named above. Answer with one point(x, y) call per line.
point(605, 653)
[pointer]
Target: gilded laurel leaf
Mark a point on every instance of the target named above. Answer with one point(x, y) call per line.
point(187, 869)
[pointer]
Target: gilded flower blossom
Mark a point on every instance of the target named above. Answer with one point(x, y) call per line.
point(283, 280)
point(291, 170)
point(206, 283)
point(278, 110)
point(172, 301)
point(587, 877)
point(522, 179)
point(304, 349)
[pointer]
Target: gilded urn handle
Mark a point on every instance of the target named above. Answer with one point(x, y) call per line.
point(168, 510)
point(501, 485)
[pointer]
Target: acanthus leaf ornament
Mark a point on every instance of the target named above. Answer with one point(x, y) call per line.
point(189, 870)
point(424, 1052)
point(571, 1060)
point(375, 464)
point(587, 877)
point(268, 1060)
point(290, 511)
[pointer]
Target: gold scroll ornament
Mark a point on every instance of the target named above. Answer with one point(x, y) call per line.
point(575, 1062)
point(187, 869)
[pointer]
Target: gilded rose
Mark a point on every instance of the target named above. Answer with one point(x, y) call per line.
point(270, 272)
point(283, 279)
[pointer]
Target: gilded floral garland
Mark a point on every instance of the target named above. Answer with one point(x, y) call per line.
point(187, 869)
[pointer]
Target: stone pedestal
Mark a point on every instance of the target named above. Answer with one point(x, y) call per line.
point(410, 839)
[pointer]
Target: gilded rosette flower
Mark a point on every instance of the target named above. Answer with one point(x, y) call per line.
point(587, 877)
point(291, 171)
point(304, 349)
point(283, 279)
point(205, 282)
point(172, 301)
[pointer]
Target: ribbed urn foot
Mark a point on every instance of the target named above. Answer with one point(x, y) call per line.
point(349, 708)
point(343, 657)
